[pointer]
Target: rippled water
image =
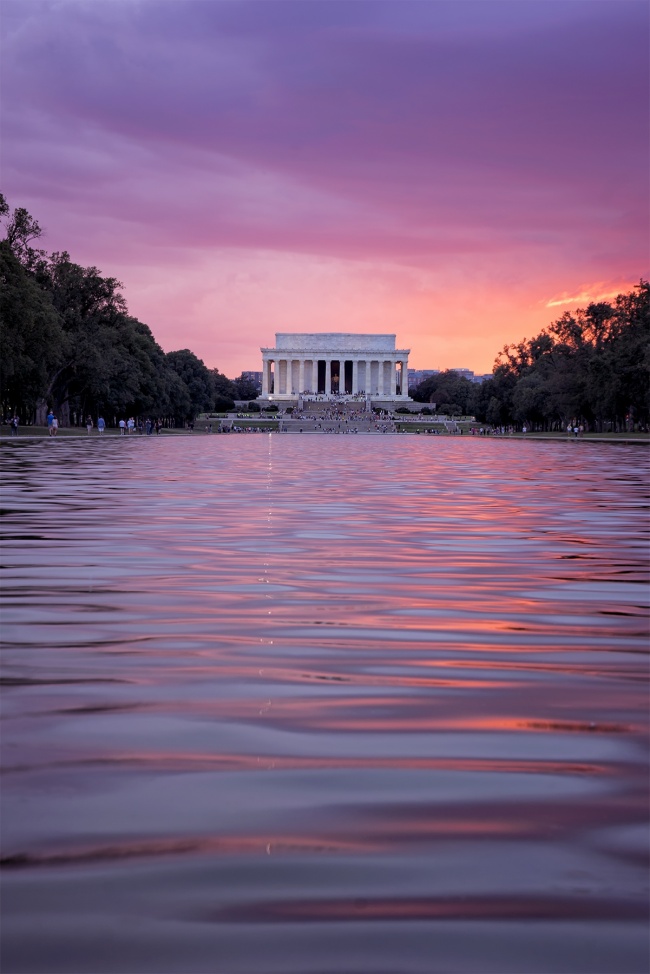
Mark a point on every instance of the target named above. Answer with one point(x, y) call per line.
point(304, 705)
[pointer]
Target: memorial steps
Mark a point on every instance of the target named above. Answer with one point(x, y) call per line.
point(323, 407)
point(334, 416)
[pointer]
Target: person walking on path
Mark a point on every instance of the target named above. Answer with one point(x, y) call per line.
point(131, 425)
point(122, 428)
point(50, 420)
point(55, 426)
point(89, 425)
point(13, 423)
point(100, 424)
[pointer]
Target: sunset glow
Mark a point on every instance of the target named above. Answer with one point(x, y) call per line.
point(459, 174)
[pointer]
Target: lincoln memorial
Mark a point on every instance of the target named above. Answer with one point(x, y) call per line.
point(335, 364)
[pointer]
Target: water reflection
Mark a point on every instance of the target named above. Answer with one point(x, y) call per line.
point(263, 695)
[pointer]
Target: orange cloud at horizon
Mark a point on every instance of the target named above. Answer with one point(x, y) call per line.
point(225, 307)
point(591, 294)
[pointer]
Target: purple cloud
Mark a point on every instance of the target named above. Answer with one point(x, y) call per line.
point(389, 131)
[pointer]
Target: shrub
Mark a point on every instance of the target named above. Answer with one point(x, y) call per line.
point(270, 409)
point(450, 409)
point(223, 405)
point(254, 407)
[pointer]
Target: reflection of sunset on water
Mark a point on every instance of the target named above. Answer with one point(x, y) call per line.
point(244, 695)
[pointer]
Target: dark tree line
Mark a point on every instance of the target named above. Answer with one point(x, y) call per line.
point(591, 367)
point(452, 393)
point(67, 342)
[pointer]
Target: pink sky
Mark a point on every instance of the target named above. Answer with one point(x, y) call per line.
point(459, 173)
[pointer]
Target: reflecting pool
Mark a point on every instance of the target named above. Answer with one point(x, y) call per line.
point(315, 704)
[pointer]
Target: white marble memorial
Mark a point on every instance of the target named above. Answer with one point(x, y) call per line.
point(333, 365)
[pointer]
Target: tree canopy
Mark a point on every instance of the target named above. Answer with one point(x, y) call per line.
point(590, 367)
point(451, 392)
point(68, 342)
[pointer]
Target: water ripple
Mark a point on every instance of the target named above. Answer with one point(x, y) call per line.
point(255, 684)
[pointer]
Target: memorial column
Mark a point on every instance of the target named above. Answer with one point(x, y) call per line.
point(328, 376)
point(301, 375)
point(393, 378)
point(355, 376)
point(266, 369)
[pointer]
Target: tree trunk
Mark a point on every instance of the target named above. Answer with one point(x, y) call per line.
point(40, 413)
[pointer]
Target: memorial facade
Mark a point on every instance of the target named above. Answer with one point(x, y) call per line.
point(334, 364)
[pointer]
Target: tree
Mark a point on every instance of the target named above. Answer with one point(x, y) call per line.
point(33, 345)
point(590, 366)
point(21, 229)
point(197, 379)
point(67, 340)
point(222, 387)
point(245, 388)
point(448, 388)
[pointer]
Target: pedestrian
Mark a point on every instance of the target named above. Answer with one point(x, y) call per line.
point(122, 425)
point(131, 425)
point(50, 419)
point(89, 425)
point(148, 427)
point(55, 426)
point(100, 425)
point(13, 423)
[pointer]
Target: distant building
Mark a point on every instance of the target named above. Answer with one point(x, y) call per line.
point(471, 376)
point(335, 364)
point(416, 376)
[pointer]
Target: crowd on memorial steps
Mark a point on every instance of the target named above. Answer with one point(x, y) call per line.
point(72, 358)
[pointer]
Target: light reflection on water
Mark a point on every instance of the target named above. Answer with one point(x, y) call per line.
point(352, 704)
